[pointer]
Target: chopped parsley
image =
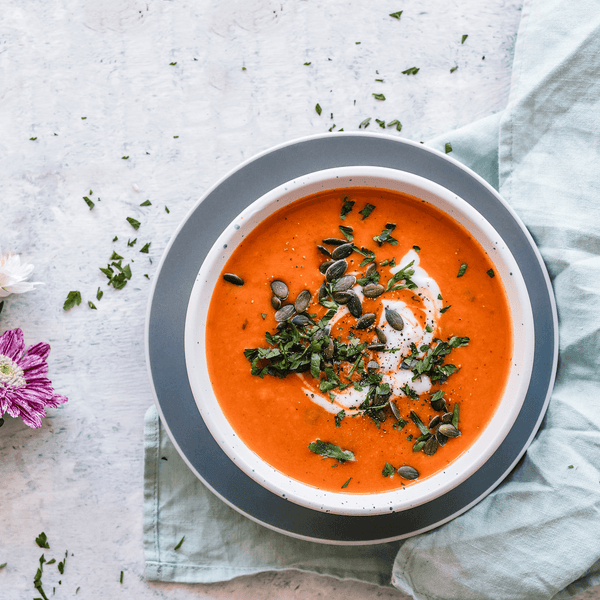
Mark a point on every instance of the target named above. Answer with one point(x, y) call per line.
point(405, 275)
point(411, 71)
point(172, 64)
point(365, 123)
point(167, 210)
point(179, 543)
point(464, 38)
point(491, 273)
point(133, 222)
point(328, 450)
point(42, 540)
point(99, 294)
point(124, 157)
point(396, 123)
point(386, 235)
point(378, 96)
point(453, 69)
point(380, 123)
point(121, 577)
point(347, 232)
point(443, 310)
point(73, 299)
point(131, 243)
point(306, 64)
point(33, 139)
point(115, 238)
point(338, 417)
point(347, 482)
point(92, 305)
point(388, 470)
point(89, 202)
point(146, 203)
point(448, 147)
point(462, 270)
point(417, 248)
point(115, 256)
point(397, 15)
point(146, 248)
point(432, 361)
point(346, 207)
point(366, 211)
point(318, 109)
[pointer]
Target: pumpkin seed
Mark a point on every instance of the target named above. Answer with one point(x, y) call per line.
point(395, 411)
point(377, 415)
point(372, 290)
point(334, 241)
point(374, 347)
point(394, 319)
point(372, 364)
point(448, 430)
point(322, 291)
point(323, 250)
point(344, 283)
point(434, 422)
point(441, 438)
point(324, 266)
point(285, 312)
point(336, 270)
point(407, 472)
point(275, 302)
point(342, 251)
point(354, 306)
point(439, 404)
point(380, 335)
point(302, 301)
point(343, 297)
point(232, 278)
point(280, 289)
point(447, 417)
point(431, 446)
point(301, 320)
point(366, 321)
point(371, 270)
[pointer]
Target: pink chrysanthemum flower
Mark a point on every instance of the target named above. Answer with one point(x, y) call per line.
point(25, 390)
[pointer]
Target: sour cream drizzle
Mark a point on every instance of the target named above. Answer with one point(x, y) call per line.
point(414, 331)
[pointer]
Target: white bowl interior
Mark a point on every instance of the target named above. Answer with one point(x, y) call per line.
point(466, 464)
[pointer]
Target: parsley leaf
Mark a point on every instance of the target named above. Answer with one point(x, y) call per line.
point(146, 203)
point(146, 248)
point(347, 482)
point(99, 294)
point(346, 207)
point(388, 470)
point(464, 37)
point(179, 544)
point(339, 416)
point(366, 211)
point(347, 232)
point(365, 123)
point(411, 71)
point(397, 15)
point(89, 202)
point(328, 450)
point(73, 299)
point(131, 243)
point(491, 273)
point(462, 270)
point(133, 222)
point(318, 109)
point(92, 305)
point(41, 540)
point(167, 210)
point(396, 123)
point(448, 147)
point(378, 96)
point(453, 69)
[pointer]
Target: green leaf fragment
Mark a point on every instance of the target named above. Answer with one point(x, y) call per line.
point(366, 211)
point(462, 270)
point(396, 123)
point(388, 470)
point(346, 207)
point(179, 543)
point(146, 203)
point(453, 69)
point(328, 450)
point(491, 273)
point(89, 202)
point(92, 305)
point(411, 71)
point(347, 482)
point(448, 147)
point(73, 299)
point(396, 15)
point(365, 123)
point(318, 109)
point(378, 96)
point(464, 37)
point(146, 248)
point(133, 222)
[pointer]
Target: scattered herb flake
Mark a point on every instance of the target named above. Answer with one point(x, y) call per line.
point(307, 63)
point(172, 64)
point(73, 299)
point(338, 417)
point(396, 123)
point(121, 578)
point(89, 202)
point(347, 482)
point(380, 123)
point(455, 414)
point(443, 310)
point(365, 123)
point(33, 139)
point(366, 211)
point(99, 294)
point(167, 210)
point(453, 69)
point(378, 96)
point(146, 203)
point(61, 567)
point(417, 248)
point(124, 157)
point(115, 256)
point(328, 450)
point(411, 71)
point(347, 232)
point(41, 540)
point(346, 207)
point(448, 147)
point(175, 137)
point(397, 15)
point(131, 243)
point(464, 38)
point(146, 248)
point(388, 470)
point(179, 543)
point(3, 565)
point(133, 222)
point(318, 108)
point(462, 270)
point(491, 273)
point(92, 305)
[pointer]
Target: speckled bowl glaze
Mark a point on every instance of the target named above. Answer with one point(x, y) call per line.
point(422, 491)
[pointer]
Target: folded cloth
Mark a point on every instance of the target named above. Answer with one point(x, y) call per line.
point(538, 534)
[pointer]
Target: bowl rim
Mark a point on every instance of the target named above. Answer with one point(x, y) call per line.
point(276, 482)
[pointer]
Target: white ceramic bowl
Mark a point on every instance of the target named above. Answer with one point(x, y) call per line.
point(466, 464)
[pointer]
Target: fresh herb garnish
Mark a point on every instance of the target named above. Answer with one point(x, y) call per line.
point(179, 544)
point(462, 270)
point(347, 232)
point(92, 305)
point(307, 63)
point(99, 294)
point(411, 71)
point(396, 123)
point(121, 577)
point(417, 248)
point(448, 147)
point(431, 363)
point(133, 222)
point(41, 540)
point(115, 256)
point(37, 580)
point(464, 37)
point(338, 417)
point(146, 203)
point(347, 482)
point(404, 274)
point(115, 238)
point(378, 96)
point(455, 414)
point(33, 139)
point(388, 470)
point(453, 69)
point(364, 124)
point(167, 210)
point(3, 565)
point(397, 15)
point(443, 310)
point(386, 235)
point(366, 211)
point(73, 299)
point(131, 243)
point(380, 123)
point(346, 207)
point(491, 273)
point(146, 248)
point(328, 450)
point(89, 202)
point(318, 109)
point(124, 157)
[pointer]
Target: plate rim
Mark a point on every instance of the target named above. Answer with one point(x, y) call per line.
point(401, 142)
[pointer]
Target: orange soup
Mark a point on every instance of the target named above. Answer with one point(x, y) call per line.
point(359, 340)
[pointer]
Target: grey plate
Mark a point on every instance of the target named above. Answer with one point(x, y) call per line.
point(168, 305)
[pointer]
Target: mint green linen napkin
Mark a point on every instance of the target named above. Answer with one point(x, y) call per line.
point(537, 533)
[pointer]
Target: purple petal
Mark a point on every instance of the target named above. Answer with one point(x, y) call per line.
point(42, 350)
point(12, 344)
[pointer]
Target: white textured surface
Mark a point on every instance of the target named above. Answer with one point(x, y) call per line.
point(79, 478)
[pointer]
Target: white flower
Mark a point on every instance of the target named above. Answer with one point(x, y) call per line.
point(14, 275)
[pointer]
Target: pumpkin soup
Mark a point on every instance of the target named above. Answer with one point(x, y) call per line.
point(359, 340)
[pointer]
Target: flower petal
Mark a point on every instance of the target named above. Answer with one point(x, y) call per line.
point(12, 344)
point(42, 350)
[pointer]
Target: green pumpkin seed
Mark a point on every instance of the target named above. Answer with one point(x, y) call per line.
point(302, 301)
point(342, 251)
point(354, 306)
point(373, 347)
point(323, 250)
point(448, 430)
point(285, 312)
point(372, 290)
point(380, 335)
point(407, 472)
point(279, 289)
point(431, 446)
point(394, 319)
point(232, 278)
point(275, 302)
point(434, 422)
point(334, 241)
point(344, 283)
point(301, 320)
point(336, 270)
point(395, 411)
point(366, 321)
point(447, 417)
point(324, 266)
